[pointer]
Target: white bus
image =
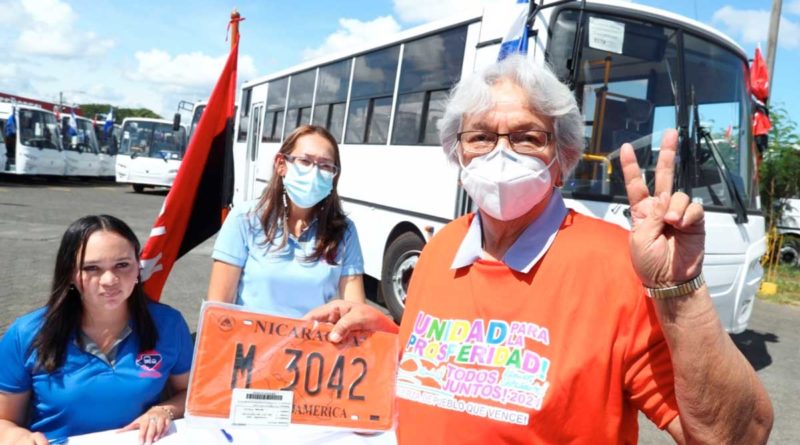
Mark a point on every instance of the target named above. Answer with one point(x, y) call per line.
point(81, 150)
point(635, 71)
point(3, 156)
point(150, 153)
point(35, 147)
point(108, 146)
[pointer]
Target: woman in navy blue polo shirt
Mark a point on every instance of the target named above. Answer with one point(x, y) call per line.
point(99, 355)
point(293, 249)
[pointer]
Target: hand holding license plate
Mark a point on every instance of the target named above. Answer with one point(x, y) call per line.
point(258, 369)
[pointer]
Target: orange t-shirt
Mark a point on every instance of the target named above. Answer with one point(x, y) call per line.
point(566, 353)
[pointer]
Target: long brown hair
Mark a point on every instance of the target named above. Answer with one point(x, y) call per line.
point(64, 308)
point(331, 222)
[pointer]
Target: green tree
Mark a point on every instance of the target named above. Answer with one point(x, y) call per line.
point(780, 166)
point(90, 110)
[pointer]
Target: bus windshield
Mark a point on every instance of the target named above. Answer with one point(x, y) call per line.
point(86, 140)
point(152, 139)
point(716, 79)
point(627, 83)
point(38, 128)
point(107, 141)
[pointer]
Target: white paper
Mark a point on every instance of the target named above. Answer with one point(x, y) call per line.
point(126, 438)
point(256, 407)
point(606, 35)
point(183, 434)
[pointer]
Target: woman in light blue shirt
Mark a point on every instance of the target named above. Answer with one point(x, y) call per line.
point(293, 249)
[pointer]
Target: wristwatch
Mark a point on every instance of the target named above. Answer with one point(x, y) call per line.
point(663, 293)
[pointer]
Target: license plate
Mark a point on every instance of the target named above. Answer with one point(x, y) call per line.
point(348, 385)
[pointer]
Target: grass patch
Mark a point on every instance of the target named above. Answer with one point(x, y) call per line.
point(788, 281)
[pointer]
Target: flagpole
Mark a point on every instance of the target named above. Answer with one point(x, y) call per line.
point(234, 25)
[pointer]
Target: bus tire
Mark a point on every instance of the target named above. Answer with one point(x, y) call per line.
point(790, 251)
point(138, 188)
point(399, 261)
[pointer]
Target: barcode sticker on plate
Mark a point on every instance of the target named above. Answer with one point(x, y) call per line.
point(251, 407)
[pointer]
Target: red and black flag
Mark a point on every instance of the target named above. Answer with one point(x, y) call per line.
point(197, 203)
point(759, 87)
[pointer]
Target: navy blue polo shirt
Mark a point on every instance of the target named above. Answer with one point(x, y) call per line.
point(88, 393)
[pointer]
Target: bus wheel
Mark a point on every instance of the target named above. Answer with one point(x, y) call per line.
point(398, 265)
point(138, 188)
point(790, 251)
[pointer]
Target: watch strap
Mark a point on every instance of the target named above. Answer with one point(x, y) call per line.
point(663, 293)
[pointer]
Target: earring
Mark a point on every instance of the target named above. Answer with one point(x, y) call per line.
point(285, 205)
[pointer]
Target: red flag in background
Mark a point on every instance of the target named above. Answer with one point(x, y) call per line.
point(759, 77)
point(203, 188)
point(761, 123)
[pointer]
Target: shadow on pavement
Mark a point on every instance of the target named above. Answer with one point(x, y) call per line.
point(158, 191)
point(20, 181)
point(754, 347)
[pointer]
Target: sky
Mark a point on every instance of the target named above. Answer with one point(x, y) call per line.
point(153, 54)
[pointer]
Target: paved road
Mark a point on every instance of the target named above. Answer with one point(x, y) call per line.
point(34, 214)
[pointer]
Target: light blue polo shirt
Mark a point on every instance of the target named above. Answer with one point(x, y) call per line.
point(280, 281)
point(87, 394)
point(528, 249)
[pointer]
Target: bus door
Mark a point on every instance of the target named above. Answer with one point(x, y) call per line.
point(253, 140)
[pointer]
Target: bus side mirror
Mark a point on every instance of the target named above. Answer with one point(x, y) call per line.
point(176, 122)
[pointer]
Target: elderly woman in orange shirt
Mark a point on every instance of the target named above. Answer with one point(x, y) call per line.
point(527, 322)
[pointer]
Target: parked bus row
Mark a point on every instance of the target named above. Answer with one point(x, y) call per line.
point(142, 152)
point(634, 70)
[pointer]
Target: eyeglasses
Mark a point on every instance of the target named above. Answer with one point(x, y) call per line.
point(305, 164)
point(523, 142)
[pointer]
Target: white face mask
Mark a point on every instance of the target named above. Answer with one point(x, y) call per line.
point(504, 184)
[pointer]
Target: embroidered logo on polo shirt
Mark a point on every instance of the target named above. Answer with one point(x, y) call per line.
point(149, 362)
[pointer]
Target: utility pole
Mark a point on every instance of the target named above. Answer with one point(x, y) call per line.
point(772, 45)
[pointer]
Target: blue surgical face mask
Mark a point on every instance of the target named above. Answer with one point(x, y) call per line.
point(306, 188)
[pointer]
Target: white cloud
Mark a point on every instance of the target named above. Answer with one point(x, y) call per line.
point(415, 11)
point(48, 28)
point(12, 13)
point(189, 76)
point(793, 7)
point(752, 25)
point(352, 33)
point(185, 71)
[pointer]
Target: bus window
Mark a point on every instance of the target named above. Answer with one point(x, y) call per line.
point(329, 103)
point(276, 101)
point(243, 119)
point(198, 113)
point(38, 129)
point(301, 93)
point(626, 71)
point(717, 79)
point(371, 97)
point(431, 66)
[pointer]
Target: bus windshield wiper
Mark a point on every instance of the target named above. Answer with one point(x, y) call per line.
point(701, 136)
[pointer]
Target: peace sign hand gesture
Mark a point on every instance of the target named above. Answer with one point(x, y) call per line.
point(668, 233)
